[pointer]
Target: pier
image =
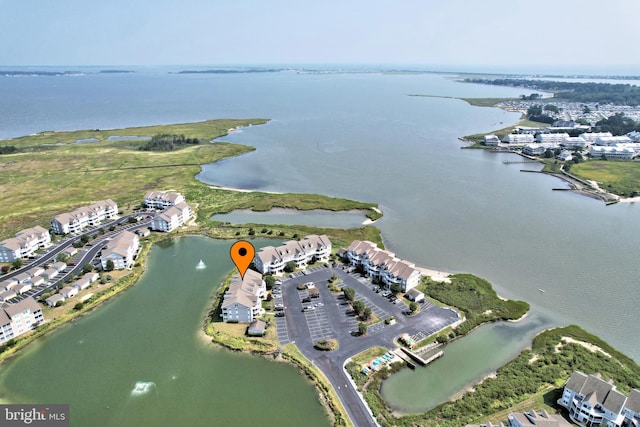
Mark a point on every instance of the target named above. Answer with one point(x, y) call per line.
point(419, 359)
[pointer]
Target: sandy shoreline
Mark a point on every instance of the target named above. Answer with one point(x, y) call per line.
point(438, 276)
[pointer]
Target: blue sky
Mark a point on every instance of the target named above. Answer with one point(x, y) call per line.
point(488, 33)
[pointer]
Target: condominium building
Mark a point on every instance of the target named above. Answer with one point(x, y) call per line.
point(593, 401)
point(383, 265)
point(25, 244)
point(491, 140)
point(18, 318)
point(83, 217)
point(574, 142)
point(611, 152)
point(612, 140)
point(243, 300)
point(273, 260)
point(552, 137)
point(518, 138)
point(592, 136)
point(121, 250)
point(162, 199)
point(171, 218)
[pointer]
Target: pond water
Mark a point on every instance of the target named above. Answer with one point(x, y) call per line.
point(318, 218)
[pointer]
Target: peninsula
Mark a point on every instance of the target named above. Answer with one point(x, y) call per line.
point(587, 134)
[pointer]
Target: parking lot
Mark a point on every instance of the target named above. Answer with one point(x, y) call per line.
point(329, 316)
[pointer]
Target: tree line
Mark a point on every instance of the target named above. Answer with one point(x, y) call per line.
point(167, 142)
point(604, 93)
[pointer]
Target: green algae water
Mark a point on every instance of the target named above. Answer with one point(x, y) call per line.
point(140, 360)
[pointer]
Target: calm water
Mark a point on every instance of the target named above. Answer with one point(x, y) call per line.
point(360, 136)
point(317, 218)
point(150, 335)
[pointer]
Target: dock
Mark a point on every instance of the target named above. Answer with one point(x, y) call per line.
point(419, 359)
point(398, 352)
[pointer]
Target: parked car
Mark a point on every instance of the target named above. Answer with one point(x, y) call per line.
point(307, 299)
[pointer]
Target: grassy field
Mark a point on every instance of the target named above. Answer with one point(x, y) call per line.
point(52, 174)
point(617, 177)
point(206, 130)
point(487, 102)
point(476, 298)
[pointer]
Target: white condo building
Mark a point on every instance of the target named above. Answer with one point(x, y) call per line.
point(613, 140)
point(171, 218)
point(612, 152)
point(162, 199)
point(592, 136)
point(18, 318)
point(574, 142)
point(555, 138)
point(121, 250)
point(24, 244)
point(86, 216)
point(383, 265)
point(593, 401)
point(243, 300)
point(491, 140)
point(272, 259)
point(518, 138)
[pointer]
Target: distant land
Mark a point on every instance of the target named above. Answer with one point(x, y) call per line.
point(28, 73)
point(231, 71)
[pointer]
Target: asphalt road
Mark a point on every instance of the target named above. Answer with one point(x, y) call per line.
point(334, 319)
point(84, 256)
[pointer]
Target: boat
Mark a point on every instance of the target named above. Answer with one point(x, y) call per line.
point(541, 290)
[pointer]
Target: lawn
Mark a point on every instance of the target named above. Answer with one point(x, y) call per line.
point(617, 177)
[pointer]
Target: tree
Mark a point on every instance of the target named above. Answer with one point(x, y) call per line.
point(358, 307)
point(366, 315)
point(87, 268)
point(63, 257)
point(548, 154)
point(362, 328)
point(17, 263)
point(413, 307)
point(349, 293)
point(78, 306)
point(290, 266)
point(5, 269)
point(396, 288)
point(534, 110)
point(551, 107)
point(85, 238)
point(269, 281)
point(110, 266)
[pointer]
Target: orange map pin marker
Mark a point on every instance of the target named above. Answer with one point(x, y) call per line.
point(242, 253)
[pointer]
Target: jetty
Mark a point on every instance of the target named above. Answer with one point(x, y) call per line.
point(419, 359)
